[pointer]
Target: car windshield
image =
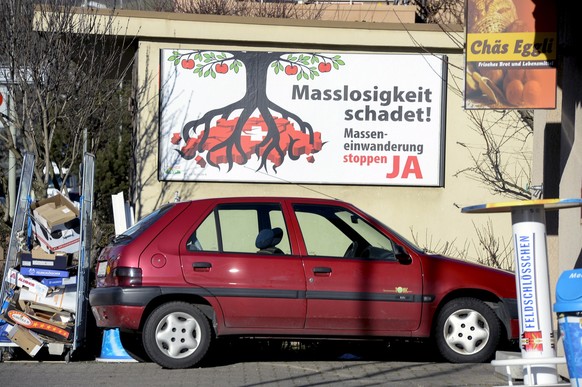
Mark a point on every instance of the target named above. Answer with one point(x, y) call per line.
point(143, 224)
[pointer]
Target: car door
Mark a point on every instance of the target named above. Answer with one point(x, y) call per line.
point(254, 289)
point(355, 283)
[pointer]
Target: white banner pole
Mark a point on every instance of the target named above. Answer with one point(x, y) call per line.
point(533, 292)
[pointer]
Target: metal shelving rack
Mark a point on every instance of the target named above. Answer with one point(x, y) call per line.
point(84, 262)
point(19, 222)
point(23, 201)
point(19, 231)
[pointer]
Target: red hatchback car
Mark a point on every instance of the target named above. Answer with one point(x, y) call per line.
point(292, 268)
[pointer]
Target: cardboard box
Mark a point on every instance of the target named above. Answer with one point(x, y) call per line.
point(54, 211)
point(61, 239)
point(56, 224)
point(25, 339)
point(18, 317)
point(39, 258)
point(15, 278)
point(60, 318)
point(52, 282)
point(40, 272)
point(4, 330)
point(64, 298)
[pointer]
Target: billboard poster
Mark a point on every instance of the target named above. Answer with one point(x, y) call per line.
point(511, 54)
point(292, 117)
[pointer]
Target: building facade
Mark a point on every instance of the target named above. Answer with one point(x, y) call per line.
point(429, 214)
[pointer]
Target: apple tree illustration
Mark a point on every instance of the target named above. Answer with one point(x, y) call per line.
point(199, 136)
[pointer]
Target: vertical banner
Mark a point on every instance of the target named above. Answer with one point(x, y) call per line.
point(322, 118)
point(511, 54)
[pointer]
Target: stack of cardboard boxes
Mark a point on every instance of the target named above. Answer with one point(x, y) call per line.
point(42, 298)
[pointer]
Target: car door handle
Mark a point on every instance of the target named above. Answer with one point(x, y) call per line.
point(201, 266)
point(322, 270)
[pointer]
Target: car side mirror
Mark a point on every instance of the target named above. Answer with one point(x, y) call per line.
point(401, 255)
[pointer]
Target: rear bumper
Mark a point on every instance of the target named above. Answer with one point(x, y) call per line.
point(123, 308)
point(117, 316)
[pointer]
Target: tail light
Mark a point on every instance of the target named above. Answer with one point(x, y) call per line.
point(127, 276)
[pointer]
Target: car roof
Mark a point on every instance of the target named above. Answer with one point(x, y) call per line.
point(253, 199)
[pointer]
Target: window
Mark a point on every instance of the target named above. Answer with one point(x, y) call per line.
point(135, 230)
point(321, 237)
point(235, 227)
point(336, 232)
point(205, 235)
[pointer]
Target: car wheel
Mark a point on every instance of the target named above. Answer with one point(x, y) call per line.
point(176, 335)
point(133, 344)
point(467, 331)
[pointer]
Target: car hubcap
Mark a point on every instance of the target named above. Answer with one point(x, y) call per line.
point(466, 331)
point(178, 335)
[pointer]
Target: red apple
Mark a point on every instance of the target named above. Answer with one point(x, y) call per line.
point(188, 64)
point(1, 98)
point(291, 69)
point(221, 68)
point(324, 67)
point(176, 138)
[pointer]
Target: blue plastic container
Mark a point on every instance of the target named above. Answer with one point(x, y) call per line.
point(568, 306)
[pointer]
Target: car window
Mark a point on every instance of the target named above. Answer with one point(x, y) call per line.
point(142, 225)
point(205, 236)
point(366, 231)
point(336, 232)
point(321, 237)
point(235, 228)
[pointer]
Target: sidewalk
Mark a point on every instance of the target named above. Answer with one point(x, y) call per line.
point(267, 364)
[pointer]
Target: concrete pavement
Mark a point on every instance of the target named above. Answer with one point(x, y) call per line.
point(252, 373)
point(257, 363)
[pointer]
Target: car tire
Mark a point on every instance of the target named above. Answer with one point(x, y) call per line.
point(176, 335)
point(133, 344)
point(467, 331)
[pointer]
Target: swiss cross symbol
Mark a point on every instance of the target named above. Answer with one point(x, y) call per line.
point(256, 133)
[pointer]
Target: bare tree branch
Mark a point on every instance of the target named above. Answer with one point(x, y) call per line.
point(492, 250)
point(63, 67)
point(502, 163)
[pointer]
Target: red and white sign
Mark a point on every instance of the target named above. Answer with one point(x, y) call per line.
point(284, 117)
point(3, 102)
